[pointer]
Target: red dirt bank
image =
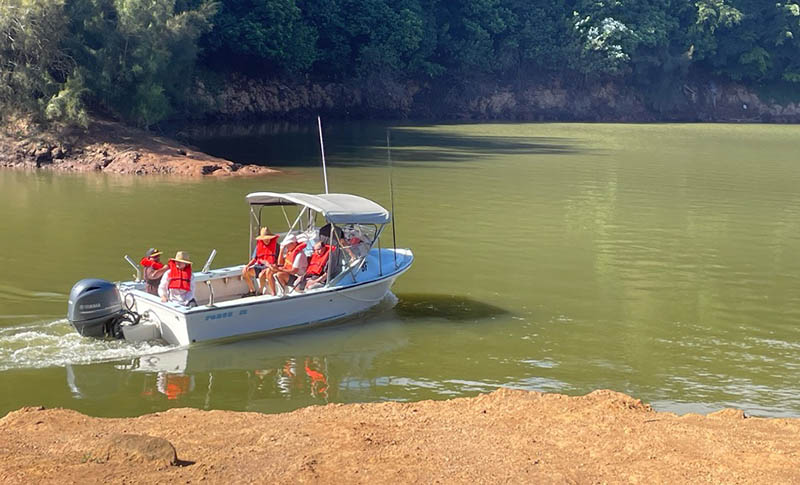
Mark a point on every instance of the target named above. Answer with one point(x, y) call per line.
point(110, 147)
point(505, 436)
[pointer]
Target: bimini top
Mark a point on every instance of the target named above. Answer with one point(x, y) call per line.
point(335, 208)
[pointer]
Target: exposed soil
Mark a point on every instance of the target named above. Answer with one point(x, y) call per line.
point(110, 147)
point(506, 436)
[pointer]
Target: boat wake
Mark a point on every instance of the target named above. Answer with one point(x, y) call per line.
point(56, 344)
point(14, 294)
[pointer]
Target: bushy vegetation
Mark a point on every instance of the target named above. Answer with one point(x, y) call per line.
point(131, 58)
point(136, 59)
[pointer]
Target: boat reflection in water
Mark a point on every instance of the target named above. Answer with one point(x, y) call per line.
point(350, 362)
point(294, 378)
point(294, 367)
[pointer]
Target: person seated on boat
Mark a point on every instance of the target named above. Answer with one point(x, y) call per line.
point(177, 284)
point(153, 270)
point(317, 271)
point(264, 257)
point(354, 243)
point(330, 233)
point(291, 265)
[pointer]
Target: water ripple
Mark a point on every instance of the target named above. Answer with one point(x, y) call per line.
point(56, 344)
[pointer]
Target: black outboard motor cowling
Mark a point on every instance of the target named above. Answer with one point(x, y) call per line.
point(94, 306)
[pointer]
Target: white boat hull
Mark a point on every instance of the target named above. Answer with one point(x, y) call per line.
point(243, 316)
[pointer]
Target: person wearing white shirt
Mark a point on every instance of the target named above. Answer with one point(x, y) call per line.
point(177, 284)
point(291, 265)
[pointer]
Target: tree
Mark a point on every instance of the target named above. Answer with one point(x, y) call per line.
point(37, 77)
point(137, 56)
point(363, 38)
point(261, 37)
point(476, 36)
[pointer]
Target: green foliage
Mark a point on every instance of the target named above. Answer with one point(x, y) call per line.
point(136, 59)
point(67, 105)
point(261, 36)
point(33, 63)
point(359, 38)
point(477, 35)
point(542, 34)
point(749, 40)
point(137, 56)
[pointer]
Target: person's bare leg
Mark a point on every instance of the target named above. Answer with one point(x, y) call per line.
point(283, 279)
point(314, 282)
point(270, 282)
point(262, 280)
point(247, 275)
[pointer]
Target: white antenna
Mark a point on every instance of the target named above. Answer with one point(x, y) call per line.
point(322, 150)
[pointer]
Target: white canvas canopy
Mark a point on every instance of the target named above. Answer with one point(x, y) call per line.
point(335, 208)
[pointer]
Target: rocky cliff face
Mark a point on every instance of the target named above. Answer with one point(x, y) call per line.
point(242, 98)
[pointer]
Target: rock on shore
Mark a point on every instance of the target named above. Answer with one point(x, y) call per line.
point(503, 437)
point(110, 147)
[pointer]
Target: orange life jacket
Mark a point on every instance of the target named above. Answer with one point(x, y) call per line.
point(288, 260)
point(265, 252)
point(319, 384)
point(180, 279)
point(318, 261)
point(176, 386)
point(149, 263)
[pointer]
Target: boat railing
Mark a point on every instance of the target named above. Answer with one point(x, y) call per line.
point(210, 260)
point(138, 274)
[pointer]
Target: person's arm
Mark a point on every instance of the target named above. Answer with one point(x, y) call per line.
point(162, 287)
point(191, 289)
point(321, 278)
point(252, 261)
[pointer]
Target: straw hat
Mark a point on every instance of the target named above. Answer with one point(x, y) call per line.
point(266, 234)
point(182, 257)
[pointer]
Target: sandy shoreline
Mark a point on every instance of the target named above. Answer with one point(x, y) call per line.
point(111, 147)
point(506, 436)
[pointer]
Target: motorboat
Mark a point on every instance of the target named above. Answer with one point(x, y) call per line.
point(360, 273)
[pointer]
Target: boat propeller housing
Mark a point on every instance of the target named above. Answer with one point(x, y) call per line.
point(95, 307)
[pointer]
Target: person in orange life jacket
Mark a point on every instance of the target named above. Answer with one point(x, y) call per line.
point(177, 284)
point(317, 271)
point(291, 264)
point(264, 257)
point(153, 270)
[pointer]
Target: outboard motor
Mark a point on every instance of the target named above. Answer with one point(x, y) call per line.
point(95, 308)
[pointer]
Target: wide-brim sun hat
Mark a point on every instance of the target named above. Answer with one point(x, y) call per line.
point(182, 257)
point(266, 234)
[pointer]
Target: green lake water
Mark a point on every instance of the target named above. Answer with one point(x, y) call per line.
point(655, 260)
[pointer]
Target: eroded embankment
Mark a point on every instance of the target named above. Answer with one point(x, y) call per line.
point(110, 147)
point(505, 436)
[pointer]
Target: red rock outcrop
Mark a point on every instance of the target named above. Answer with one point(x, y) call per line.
point(110, 147)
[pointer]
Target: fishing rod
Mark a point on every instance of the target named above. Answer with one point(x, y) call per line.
point(391, 195)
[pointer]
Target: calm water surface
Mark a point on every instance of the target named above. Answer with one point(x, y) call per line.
point(656, 260)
